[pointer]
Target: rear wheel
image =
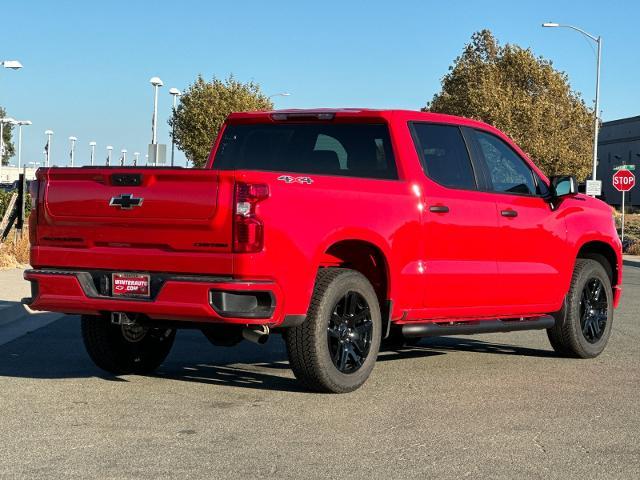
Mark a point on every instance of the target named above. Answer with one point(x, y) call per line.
point(583, 326)
point(335, 348)
point(124, 349)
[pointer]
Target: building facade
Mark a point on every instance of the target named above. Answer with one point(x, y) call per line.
point(619, 144)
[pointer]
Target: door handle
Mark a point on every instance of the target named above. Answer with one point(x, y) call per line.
point(509, 213)
point(439, 209)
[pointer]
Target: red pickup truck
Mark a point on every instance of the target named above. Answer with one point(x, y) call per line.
point(338, 229)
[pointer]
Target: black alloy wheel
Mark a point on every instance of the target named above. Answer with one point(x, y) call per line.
point(350, 332)
point(593, 310)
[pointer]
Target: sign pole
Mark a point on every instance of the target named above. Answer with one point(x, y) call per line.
point(622, 233)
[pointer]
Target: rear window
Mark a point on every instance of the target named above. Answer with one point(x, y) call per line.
point(353, 150)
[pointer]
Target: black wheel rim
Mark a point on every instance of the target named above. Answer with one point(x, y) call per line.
point(350, 332)
point(594, 310)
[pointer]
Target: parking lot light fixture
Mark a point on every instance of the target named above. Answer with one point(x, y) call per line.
point(596, 112)
point(20, 123)
point(175, 93)
point(72, 151)
point(157, 83)
point(47, 147)
point(93, 151)
point(11, 64)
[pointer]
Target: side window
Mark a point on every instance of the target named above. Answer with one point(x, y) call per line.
point(508, 172)
point(444, 155)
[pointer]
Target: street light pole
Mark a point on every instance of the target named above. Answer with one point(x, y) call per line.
point(596, 112)
point(93, 151)
point(109, 149)
point(20, 124)
point(123, 158)
point(136, 156)
point(73, 148)
point(49, 134)
point(175, 93)
point(157, 83)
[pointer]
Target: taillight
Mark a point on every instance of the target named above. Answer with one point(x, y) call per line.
point(248, 229)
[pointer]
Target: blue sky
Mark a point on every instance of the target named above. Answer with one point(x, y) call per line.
point(87, 63)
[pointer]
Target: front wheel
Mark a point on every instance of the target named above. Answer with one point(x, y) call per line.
point(125, 349)
point(583, 326)
point(335, 348)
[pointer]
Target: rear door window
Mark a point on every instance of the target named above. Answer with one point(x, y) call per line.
point(354, 150)
point(444, 155)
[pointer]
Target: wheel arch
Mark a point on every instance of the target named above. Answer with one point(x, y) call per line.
point(367, 256)
point(603, 253)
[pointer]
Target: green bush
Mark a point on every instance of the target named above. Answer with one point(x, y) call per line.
point(5, 197)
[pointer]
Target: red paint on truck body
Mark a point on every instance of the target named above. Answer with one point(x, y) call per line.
point(470, 262)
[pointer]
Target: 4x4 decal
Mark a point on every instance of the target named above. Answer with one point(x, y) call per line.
point(290, 179)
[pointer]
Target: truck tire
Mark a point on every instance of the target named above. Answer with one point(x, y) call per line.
point(122, 350)
point(335, 348)
point(583, 325)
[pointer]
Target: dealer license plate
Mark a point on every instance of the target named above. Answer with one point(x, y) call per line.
point(130, 285)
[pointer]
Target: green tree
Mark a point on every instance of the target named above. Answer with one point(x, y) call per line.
point(8, 144)
point(203, 108)
point(524, 96)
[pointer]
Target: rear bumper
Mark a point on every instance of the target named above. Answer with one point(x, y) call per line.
point(179, 297)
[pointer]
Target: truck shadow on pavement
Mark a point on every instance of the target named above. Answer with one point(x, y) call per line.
point(56, 352)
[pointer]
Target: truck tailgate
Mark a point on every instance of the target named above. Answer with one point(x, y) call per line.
point(135, 209)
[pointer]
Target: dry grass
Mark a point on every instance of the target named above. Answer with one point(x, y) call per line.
point(15, 251)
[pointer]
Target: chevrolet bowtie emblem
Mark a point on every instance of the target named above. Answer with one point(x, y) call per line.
point(126, 201)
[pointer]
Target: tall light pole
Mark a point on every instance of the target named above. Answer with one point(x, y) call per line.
point(72, 152)
point(175, 93)
point(596, 112)
point(123, 157)
point(20, 123)
point(109, 150)
point(157, 83)
point(12, 64)
point(93, 152)
point(136, 156)
point(49, 134)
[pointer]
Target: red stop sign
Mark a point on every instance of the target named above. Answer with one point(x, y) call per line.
point(624, 180)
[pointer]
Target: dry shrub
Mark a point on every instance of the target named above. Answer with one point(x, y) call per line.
point(14, 252)
point(633, 249)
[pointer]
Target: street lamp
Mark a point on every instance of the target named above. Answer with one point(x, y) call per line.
point(157, 83)
point(123, 157)
point(20, 123)
point(136, 156)
point(281, 94)
point(12, 64)
point(73, 141)
point(109, 149)
point(93, 151)
point(47, 147)
point(598, 40)
point(175, 93)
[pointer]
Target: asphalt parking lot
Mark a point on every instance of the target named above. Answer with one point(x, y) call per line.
point(492, 406)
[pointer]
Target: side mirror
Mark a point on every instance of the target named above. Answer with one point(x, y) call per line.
point(563, 185)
